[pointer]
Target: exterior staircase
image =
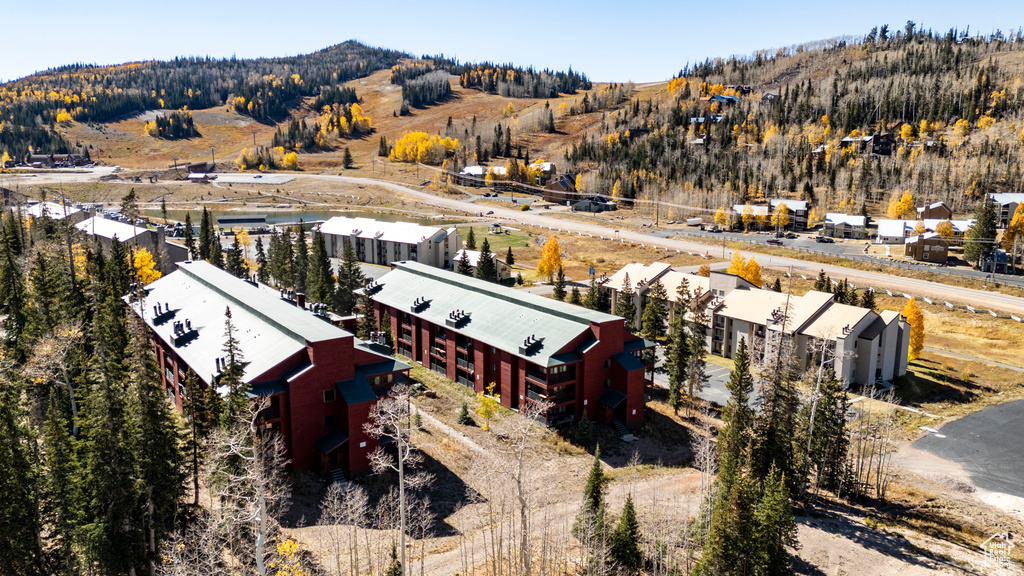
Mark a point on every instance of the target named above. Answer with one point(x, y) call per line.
point(624, 432)
point(336, 475)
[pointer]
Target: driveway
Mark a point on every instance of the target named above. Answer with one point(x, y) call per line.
point(714, 391)
point(987, 444)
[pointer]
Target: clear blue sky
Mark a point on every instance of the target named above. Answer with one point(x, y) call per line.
point(607, 40)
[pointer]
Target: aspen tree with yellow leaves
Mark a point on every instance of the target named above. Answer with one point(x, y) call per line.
point(916, 320)
point(145, 266)
point(550, 258)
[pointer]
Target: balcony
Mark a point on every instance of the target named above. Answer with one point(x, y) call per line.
point(439, 352)
point(466, 364)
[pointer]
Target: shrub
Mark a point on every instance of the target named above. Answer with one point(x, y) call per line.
point(524, 207)
point(464, 418)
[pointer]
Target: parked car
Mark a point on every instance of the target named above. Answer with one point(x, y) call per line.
point(791, 236)
point(714, 229)
point(823, 240)
point(774, 241)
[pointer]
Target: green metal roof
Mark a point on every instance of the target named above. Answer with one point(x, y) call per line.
point(266, 389)
point(331, 440)
point(498, 316)
point(356, 390)
point(612, 397)
point(637, 344)
point(563, 358)
point(628, 361)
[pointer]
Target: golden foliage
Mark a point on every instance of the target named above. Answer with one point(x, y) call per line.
point(721, 216)
point(920, 228)
point(423, 148)
point(291, 161)
point(780, 217)
point(1016, 228)
point(752, 272)
point(916, 320)
point(145, 266)
point(736, 265)
point(487, 405)
point(944, 229)
point(900, 205)
point(985, 122)
point(704, 270)
point(747, 215)
point(550, 258)
point(907, 133)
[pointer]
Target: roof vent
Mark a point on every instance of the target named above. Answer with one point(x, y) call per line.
point(457, 318)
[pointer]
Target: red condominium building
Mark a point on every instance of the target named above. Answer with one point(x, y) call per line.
point(321, 381)
point(532, 348)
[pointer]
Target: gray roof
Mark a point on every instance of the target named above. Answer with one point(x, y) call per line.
point(269, 330)
point(498, 316)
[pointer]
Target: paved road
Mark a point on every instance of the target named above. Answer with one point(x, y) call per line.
point(988, 445)
point(544, 218)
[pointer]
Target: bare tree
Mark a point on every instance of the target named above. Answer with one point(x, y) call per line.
point(524, 431)
point(390, 419)
point(194, 551)
point(248, 475)
point(50, 361)
point(872, 444)
point(344, 504)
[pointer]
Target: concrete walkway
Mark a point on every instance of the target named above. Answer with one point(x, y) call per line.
point(974, 359)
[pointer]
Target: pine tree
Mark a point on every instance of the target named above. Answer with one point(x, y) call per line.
point(509, 258)
point(347, 159)
point(389, 334)
point(776, 528)
point(368, 318)
point(470, 240)
point(677, 353)
point(20, 522)
point(190, 237)
point(625, 541)
point(574, 296)
point(979, 242)
point(12, 299)
point(592, 300)
point(867, 299)
point(197, 407)
point(395, 567)
point(652, 321)
point(231, 377)
point(58, 483)
point(13, 233)
point(154, 442)
point(831, 438)
point(592, 515)
point(206, 236)
point(300, 264)
point(463, 418)
point(584, 432)
point(350, 279)
point(777, 285)
point(738, 418)
point(320, 277)
point(262, 266)
point(822, 283)
point(462, 265)
point(624, 305)
point(559, 284)
point(485, 266)
point(235, 264)
point(107, 492)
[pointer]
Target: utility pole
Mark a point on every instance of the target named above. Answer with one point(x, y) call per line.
point(254, 138)
point(213, 159)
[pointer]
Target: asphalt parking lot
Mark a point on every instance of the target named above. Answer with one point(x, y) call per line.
point(715, 391)
point(989, 446)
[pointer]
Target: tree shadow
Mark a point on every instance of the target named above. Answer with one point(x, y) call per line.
point(839, 519)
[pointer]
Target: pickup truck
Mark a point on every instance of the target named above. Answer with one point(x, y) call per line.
point(774, 241)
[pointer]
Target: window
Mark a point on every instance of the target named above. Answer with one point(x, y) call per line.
point(329, 395)
point(329, 421)
point(608, 363)
point(607, 383)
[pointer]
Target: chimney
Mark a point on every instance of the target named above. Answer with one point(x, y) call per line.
point(300, 299)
